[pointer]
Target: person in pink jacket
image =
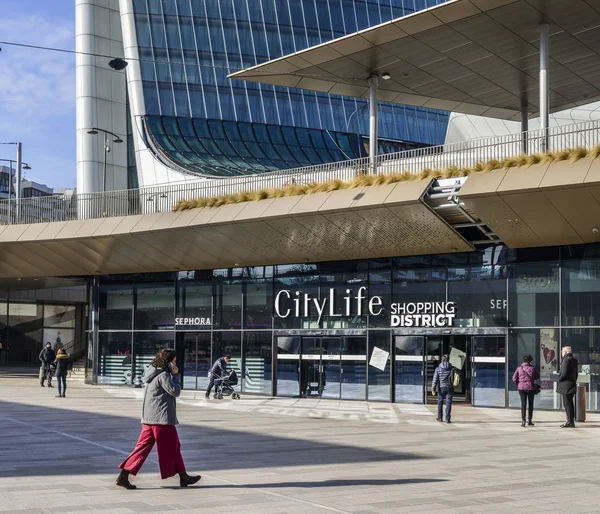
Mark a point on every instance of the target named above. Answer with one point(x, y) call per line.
point(524, 377)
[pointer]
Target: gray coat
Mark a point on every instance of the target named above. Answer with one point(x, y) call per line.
point(161, 390)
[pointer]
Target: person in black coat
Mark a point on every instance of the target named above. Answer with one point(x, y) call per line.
point(47, 357)
point(63, 366)
point(567, 384)
point(216, 371)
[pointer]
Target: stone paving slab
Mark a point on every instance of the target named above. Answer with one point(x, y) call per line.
point(288, 456)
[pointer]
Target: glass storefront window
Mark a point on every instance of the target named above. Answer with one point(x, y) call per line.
point(353, 368)
point(257, 363)
point(585, 343)
point(229, 342)
point(379, 379)
point(533, 298)
point(24, 332)
point(542, 344)
point(155, 305)
point(228, 299)
point(409, 368)
point(195, 350)
point(478, 287)
point(581, 292)
point(145, 347)
point(489, 371)
point(258, 304)
point(380, 284)
point(419, 279)
point(288, 365)
point(116, 303)
point(115, 358)
point(195, 302)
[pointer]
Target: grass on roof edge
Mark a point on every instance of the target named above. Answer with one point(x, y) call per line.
point(362, 180)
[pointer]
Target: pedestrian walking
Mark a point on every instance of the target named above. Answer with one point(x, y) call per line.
point(159, 420)
point(444, 388)
point(567, 384)
point(63, 365)
point(524, 378)
point(216, 371)
point(47, 358)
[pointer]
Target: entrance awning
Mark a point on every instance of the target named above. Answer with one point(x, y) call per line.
point(471, 56)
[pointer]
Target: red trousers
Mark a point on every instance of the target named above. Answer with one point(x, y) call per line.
point(168, 448)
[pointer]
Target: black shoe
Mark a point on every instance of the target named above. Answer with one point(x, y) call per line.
point(185, 479)
point(439, 419)
point(63, 395)
point(42, 385)
point(123, 480)
point(531, 423)
point(522, 423)
point(568, 425)
point(448, 421)
point(59, 395)
point(50, 385)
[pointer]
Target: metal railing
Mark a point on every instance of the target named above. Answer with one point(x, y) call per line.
point(164, 198)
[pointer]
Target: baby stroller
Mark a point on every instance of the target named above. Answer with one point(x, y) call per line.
point(224, 386)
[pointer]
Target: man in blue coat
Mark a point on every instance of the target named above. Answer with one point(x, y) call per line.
point(442, 386)
point(216, 371)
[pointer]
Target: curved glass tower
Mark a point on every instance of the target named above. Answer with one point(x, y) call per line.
point(196, 121)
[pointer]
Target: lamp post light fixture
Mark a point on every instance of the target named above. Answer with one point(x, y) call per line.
point(19, 162)
point(116, 139)
point(11, 161)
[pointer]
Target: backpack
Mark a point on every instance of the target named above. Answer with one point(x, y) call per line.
point(455, 378)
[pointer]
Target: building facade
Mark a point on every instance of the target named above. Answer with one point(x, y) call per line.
point(184, 119)
point(362, 330)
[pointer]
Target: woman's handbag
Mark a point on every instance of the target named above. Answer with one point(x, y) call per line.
point(536, 387)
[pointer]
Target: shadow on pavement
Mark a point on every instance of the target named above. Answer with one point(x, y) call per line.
point(54, 441)
point(310, 485)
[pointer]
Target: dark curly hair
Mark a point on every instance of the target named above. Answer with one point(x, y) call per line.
point(163, 358)
point(527, 358)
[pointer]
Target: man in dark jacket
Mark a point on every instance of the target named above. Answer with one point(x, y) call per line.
point(442, 386)
point(567, 384)
point(216, 371)
point(47, 357)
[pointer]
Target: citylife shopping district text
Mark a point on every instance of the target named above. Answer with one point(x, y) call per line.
point(413, 314)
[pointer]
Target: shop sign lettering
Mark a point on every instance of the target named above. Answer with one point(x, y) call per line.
point(423, 314)
point(192, 322)
point(419, 314)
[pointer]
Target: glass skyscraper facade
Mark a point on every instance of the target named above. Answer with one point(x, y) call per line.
point(207, 124)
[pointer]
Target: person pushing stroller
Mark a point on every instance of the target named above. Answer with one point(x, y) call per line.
point(218, 368)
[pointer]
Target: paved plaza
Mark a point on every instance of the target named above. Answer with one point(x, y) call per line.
point(262, 455)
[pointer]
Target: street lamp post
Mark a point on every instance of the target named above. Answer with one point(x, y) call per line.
point(116, 139)
point(19, 161)
point(11, 161)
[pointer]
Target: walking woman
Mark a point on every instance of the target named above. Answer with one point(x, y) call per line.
point(62, 364)
point(524, 377)
point(158, 424)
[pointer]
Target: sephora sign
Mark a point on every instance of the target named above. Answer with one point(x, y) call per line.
point(414, 314)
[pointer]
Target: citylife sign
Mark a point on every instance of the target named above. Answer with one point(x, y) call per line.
point(418, 314)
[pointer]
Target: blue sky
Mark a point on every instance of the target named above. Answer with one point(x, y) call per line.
point(37, 88)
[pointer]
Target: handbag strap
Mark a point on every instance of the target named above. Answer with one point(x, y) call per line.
point(530, 377)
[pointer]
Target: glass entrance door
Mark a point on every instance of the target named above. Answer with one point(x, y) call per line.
point(489, 371)
point(330, 367)
point(458, 349)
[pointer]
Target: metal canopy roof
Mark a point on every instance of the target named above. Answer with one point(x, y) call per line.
point(470, 56)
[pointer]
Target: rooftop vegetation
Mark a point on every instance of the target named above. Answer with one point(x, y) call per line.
point(294, 189)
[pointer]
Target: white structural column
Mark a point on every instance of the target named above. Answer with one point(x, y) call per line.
point(100, 93)
point(373, 121)
point(544, 87)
